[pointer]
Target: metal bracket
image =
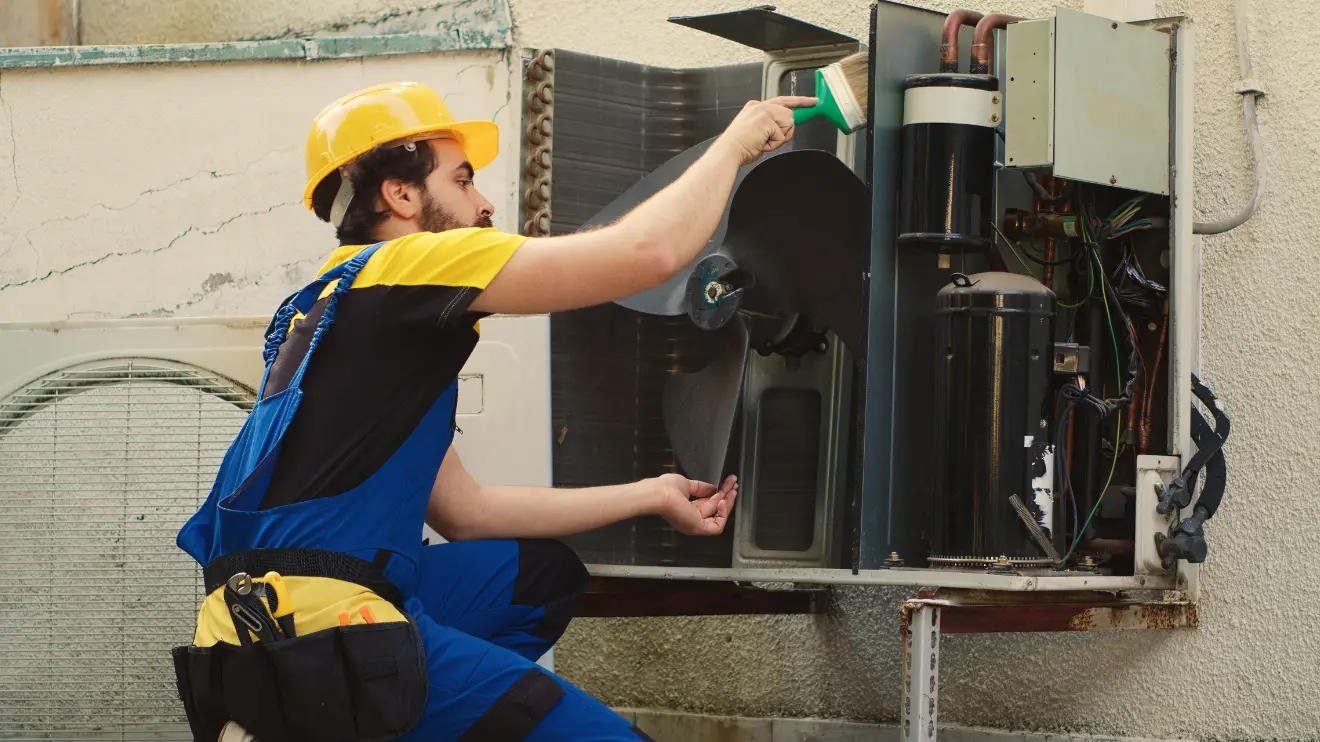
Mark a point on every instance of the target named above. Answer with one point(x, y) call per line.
point(924, 619)
point(1251, 86)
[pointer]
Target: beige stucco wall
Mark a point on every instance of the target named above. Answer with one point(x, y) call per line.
point(1245, 674)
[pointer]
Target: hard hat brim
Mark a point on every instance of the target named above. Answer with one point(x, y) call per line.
point(480, 141)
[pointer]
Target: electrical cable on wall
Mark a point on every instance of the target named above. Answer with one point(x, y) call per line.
point(1250, 91)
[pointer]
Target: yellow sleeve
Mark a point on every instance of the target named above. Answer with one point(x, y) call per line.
point(459, 258)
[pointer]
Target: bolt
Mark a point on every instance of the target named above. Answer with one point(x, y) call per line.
point(822, 347)
point(1088, 561)
point(994, 118)
point(1112, 180)
point(714, 290)
point(1115, 25)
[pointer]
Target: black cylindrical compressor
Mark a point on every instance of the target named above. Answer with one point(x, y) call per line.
point(992, 406)
point(948, 154)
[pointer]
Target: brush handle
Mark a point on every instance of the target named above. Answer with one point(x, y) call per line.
point(803, 115)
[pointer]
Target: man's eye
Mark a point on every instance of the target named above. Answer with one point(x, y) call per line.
point(465, 183)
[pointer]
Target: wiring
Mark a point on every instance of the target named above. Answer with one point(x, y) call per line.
point(1012, 247)
point(1059, 447)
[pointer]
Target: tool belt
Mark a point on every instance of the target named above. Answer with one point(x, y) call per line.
point(302, 644)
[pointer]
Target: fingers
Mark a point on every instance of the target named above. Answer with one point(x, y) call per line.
point(793, 101)
point(700, 489)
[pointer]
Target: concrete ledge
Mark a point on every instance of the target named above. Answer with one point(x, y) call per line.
point(312, 49)
point(672, 726)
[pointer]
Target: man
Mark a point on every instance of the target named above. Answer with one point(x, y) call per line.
point(325, 617)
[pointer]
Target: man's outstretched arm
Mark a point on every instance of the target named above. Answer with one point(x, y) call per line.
point(651, 243)
point(460, 509)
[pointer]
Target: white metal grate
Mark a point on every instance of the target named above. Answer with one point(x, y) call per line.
point(100, 465)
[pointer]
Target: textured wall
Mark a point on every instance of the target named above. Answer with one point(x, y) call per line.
point(176, 190)
point(1246, 673)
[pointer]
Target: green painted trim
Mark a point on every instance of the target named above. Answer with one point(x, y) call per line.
point(313, 49)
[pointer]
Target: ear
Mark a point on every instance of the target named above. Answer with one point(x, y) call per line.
point(404, 200)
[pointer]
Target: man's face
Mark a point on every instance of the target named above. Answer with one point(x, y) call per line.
point(451, 200)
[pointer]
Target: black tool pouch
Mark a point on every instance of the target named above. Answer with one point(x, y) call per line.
point(359, 683)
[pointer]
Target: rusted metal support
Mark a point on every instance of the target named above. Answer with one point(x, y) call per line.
point(923, 619)
point(635, 598)
point(921, 624)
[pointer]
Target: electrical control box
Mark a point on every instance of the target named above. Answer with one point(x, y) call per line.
point(1089, 97)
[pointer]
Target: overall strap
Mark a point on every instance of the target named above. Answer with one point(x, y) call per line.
point(300, 302)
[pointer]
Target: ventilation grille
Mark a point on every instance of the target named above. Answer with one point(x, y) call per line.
point(788, 458)
point(100, 465)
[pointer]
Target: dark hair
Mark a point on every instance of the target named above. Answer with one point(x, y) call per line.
point(367, 173)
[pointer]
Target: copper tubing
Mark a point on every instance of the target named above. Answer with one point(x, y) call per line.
point(1138, 399)
point(983, 46)
point(953, 23)
point(1110, 546)
point(1049, 264)
point(1143, 436)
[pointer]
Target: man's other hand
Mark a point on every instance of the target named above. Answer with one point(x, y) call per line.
point(695, 508)
point(764, 126)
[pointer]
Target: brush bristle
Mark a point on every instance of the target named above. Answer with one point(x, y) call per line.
point(855, 71)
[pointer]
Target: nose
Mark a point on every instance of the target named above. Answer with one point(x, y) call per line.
point(485, 208)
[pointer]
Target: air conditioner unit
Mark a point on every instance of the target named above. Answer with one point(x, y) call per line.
point(848, 470)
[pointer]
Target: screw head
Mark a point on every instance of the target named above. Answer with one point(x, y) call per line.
point(1112, 180)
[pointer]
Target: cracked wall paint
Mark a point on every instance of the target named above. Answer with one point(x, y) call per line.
point(183, 173)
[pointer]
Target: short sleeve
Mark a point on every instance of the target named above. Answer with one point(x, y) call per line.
point(432, 277)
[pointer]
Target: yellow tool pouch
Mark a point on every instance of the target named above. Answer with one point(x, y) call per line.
point(298, 644)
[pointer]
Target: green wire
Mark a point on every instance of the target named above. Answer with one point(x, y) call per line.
point(1012, 247)
point(1118, 431)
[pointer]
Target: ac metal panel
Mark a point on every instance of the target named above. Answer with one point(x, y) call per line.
point(789, 459)
point(762, 28)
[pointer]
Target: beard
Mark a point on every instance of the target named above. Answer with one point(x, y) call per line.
point(436, 218)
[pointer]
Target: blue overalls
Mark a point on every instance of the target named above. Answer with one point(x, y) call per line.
point(484, 611)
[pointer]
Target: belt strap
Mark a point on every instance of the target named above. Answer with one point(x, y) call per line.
point(302, 563)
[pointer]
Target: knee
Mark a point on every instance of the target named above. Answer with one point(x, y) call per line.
point(549, 572)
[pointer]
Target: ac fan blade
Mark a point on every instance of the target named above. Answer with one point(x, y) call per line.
point(793, 241)
point(667, 298)
point(799, 225)
point(698, 408)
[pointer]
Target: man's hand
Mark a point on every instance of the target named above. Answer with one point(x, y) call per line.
point(763, 126)
point(705, 515)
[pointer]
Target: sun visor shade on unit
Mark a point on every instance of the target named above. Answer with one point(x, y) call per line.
point(760, 27)
point(791, 249)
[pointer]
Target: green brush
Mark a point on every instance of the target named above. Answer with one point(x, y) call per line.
point(841, 94)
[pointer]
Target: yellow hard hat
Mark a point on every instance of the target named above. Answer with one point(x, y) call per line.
point(354, 124)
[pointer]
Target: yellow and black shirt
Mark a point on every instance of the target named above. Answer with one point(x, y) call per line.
point(401, 335)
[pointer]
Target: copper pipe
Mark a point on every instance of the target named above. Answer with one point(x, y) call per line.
point(1110, 546)
point(1134, 411)
point(953, 23)
point(983, 47)
point(1049, 264)
point(1143, 436)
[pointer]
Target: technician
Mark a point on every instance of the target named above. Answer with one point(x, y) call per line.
point(325, 617)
